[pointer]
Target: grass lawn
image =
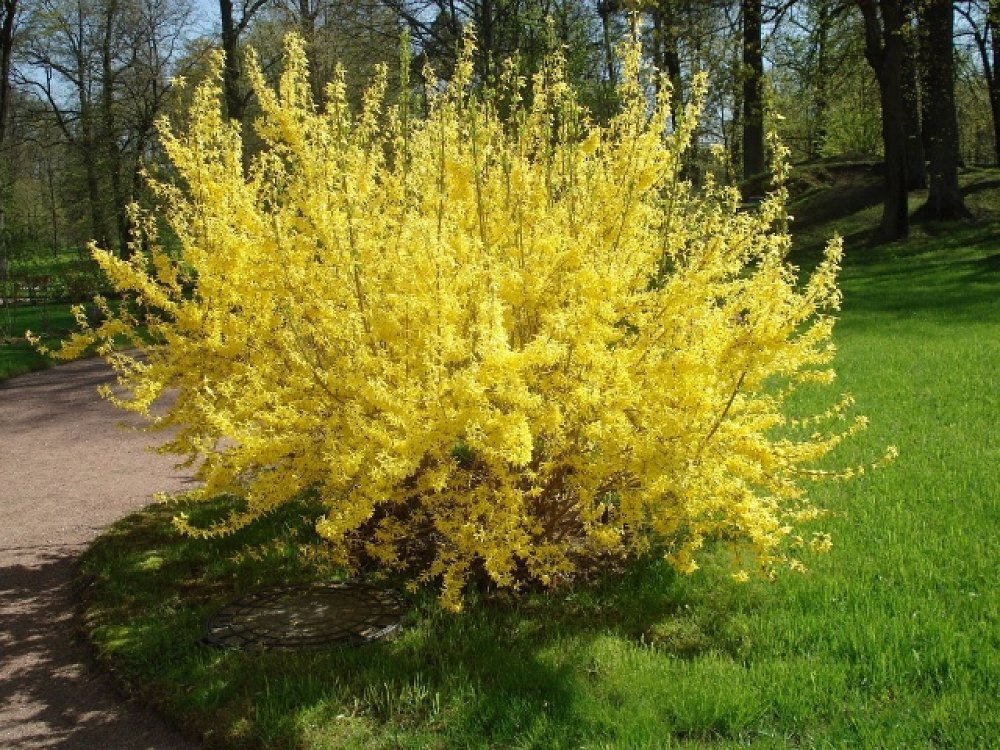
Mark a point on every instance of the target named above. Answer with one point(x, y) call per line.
point(70, 275)
point(892, 640)
point(17, 356)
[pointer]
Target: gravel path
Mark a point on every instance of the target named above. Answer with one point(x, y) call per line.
point(67, 470)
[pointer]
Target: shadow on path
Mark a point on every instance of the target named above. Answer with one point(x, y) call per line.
point(67, 470)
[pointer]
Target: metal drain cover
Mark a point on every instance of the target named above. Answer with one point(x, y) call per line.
point(305, 616)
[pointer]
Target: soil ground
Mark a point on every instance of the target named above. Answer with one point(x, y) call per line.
point(68, 468)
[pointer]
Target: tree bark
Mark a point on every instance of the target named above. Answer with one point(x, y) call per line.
point(109, 129)
point(50, 176)
point(993, 80)
point(672, 66)
point(307, 15)
point(6, 48)
point(884, 52)
point(231, 69)
point(232, 28)
point(916, 168)
point(487, 53)
point(820, 36)
point(605, 8)
point(665, 49)
point(753, 95)
point(944, 201)
point(87, 140)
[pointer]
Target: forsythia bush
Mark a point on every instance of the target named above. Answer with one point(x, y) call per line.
point(495, 339)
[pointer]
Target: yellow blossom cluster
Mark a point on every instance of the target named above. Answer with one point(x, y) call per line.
point(493, 337)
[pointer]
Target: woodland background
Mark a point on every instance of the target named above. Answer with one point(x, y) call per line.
point(911, 86)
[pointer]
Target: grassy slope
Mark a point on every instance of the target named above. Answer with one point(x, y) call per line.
point(893, 640)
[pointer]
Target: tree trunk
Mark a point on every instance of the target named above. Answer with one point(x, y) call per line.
point(604, 9)
point(994, 80)
point(672, 66)
point(667, 57)
point(86, 143)
point(995, 109)
point(488, 55)
point(231, 69)
point(884, 52)
point(895, 211)
point(50, 175)
point(98, 227)
point(916, 169)
point(109, 131)
point(6, 47)
point(307, 28)
point(821, 96)
point(753, 95)
point(986, 40)
point(944, 201)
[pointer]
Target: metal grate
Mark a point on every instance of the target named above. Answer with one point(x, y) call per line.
point(305, 616)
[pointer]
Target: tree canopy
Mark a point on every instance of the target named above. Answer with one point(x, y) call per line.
point(85, 82)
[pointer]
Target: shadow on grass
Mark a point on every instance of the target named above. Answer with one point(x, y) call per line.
point(953, 274)
point(19, 357)
point(977, 187)
point(509, 668)
point(829, 205)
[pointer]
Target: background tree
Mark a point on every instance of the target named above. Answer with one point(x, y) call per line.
point(689, 36)
point(685, 37)
point(822, 85)
point(100, 68)
point(753, 88)
point(63, 50)
point(90, 77)
point(157, 51)
point(983, 19)
point(358, 36)
point(916, 169)
point(528, 29)
point(664, 45)
point(233, 28)
point(884, 49)
point(36, 163)
point(8, 10)
point(937, 22)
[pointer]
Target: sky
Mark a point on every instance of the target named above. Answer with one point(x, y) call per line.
point(206, 17)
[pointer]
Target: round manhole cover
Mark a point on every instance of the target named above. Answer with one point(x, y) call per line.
point(305, 616)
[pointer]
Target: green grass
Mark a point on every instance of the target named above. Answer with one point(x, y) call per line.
point(892, 640)
point(71, 277)
point(46, 263)
point(17, 356)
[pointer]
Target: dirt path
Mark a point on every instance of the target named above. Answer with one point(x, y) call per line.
point(67, 470)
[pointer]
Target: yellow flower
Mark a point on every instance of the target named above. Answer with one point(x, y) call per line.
point(475, 343)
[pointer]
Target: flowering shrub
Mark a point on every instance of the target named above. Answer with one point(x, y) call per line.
point(495, 345)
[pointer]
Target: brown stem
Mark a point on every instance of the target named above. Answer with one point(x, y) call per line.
point(725, 412)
